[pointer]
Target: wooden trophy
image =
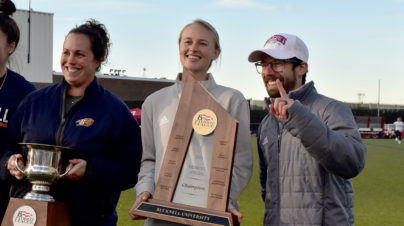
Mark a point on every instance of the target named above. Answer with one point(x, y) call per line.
point(38, 207)
point(199, 112)
point(39, 213)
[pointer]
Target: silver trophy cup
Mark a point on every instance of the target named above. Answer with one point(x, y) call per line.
point(43, 169)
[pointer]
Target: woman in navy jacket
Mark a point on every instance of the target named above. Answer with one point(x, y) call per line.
point(13, 87)
point(80, 114)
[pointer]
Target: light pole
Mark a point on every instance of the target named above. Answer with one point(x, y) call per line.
point(360, 97)
point(378, 100)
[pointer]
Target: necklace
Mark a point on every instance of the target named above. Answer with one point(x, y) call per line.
point(75, 99)
point(4, 80)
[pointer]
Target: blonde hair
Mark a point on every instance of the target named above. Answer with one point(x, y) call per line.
point(206, 25)
point(210, 28)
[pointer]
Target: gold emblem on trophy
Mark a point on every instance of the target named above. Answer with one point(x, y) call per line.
point(204, 122)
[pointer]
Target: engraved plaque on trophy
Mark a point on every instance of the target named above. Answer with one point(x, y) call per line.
point(194, 180)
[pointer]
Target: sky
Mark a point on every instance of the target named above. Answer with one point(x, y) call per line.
point(354, 45)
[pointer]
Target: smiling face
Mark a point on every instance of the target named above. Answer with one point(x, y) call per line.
point(77, 61)
point(290, 77)
point(197, 50)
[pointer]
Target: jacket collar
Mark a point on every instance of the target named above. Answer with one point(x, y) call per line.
point(90, 88)
point(207, 84)
point(302, 92)
point(298, 94)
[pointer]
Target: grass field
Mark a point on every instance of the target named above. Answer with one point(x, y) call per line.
point(379, 189)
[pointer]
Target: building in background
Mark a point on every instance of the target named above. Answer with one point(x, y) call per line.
point(33, 56)
point(33, 59)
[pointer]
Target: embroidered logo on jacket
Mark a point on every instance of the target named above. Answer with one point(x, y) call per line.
point(87, 122)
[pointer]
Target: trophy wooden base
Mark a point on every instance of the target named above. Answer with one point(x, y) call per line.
point(47, 213)
point(183, 214)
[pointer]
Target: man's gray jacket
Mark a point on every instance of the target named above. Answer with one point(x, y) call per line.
point(307, 161)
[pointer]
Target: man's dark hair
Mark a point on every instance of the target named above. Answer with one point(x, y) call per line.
point(296, 62)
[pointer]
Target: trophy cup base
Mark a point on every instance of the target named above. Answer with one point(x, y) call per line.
point(44, 213)
point(39, 197)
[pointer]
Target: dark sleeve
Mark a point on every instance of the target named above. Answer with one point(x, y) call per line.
point(120, 171)
point(263, 165)
point(9, 143)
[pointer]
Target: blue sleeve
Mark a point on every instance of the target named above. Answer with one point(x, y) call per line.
point(23, 90)
point(9, 144)
point(120, 171)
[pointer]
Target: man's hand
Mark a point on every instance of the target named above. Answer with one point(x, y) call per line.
point(281, 104)
point(144, 196)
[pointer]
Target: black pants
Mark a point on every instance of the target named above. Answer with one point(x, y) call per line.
point(4, 198)
point(398, 134)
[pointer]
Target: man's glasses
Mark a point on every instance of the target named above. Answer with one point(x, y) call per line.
point(276, 66)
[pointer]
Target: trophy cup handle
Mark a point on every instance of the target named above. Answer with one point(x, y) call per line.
point(18, 168)
point(67, 171)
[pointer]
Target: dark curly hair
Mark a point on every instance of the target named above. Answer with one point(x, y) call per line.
point(7, 24)
point(99, 38)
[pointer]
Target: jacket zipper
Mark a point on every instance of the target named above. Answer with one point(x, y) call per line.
point(59, 134)
point(62, 126)
point(279, 178)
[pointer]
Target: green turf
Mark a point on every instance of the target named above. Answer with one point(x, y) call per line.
point(379, 189)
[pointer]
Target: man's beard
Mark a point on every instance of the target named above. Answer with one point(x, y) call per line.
point(288, 84)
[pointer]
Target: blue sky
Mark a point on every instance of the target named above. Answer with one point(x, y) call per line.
point(352, 43)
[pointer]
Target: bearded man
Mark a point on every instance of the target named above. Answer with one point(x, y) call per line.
point(309, 145)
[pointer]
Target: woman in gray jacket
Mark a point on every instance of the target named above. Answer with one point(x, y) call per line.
point(199, 47)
